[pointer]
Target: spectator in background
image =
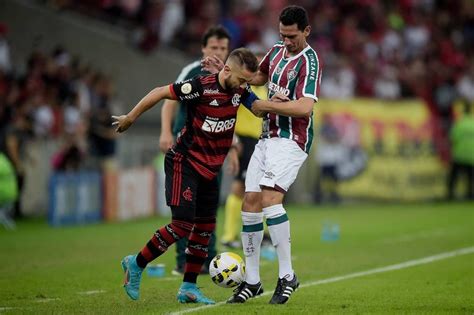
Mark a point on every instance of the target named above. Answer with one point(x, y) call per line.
point(387, 85)
point(101, 135)
point(465, 85)
point(330, 154)
point(8, 191)
point(5, 62)
point(340, 83)
point(13, 146)
point(172, 19)
point(462, 164)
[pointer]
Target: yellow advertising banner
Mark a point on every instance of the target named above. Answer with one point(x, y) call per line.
point(379, 149)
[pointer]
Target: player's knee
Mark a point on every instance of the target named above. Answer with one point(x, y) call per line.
point(182, 213)
point(271, 197)
point(252, 202)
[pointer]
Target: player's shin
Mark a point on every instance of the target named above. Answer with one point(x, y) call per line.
point(198, 247)
point(279, 229)
point(252, 235)
point(161, 240)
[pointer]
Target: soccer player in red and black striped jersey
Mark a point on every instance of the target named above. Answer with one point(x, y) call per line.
point(192, 164)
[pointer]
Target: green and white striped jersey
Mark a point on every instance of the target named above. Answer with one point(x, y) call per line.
point(296, 77)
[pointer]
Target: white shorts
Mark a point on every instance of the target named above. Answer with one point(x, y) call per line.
point(275, 162)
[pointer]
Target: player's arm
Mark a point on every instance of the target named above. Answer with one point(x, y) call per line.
point(123, 122)
point(302, 107)
point(259, 79)
point(168, 112)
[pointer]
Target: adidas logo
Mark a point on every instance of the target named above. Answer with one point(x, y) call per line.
point(214, 103)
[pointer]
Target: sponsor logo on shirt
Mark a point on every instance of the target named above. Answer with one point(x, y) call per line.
point(214, 103)
point(211, 91)
point(278, 89)
point(189, 96)
point(269, 175)
point(312, 68)
point(215, 125)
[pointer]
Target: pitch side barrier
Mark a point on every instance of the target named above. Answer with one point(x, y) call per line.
point(379, 150)
point(89, 197)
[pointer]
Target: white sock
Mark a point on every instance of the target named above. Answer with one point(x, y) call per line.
point(252, 235)
point(279, 228)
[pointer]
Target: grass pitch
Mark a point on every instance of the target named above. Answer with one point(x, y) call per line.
point(77, 269)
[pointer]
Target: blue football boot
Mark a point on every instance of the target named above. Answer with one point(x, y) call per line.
point(133, 276)
point(190, 293)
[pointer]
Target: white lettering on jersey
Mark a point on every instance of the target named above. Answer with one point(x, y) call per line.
point(210, 91)
point(211, 124)
point(312, 66)
point(189, 97)
point(278, 89)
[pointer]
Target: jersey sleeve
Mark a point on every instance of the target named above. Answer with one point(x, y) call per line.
point(264, 66)
point(309, 78)
point(189, 90)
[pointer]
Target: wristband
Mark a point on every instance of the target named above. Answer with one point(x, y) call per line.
point(249, 100)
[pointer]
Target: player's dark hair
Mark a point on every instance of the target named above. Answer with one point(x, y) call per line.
point(244, 57)
point(294, 14)
point(215, 31)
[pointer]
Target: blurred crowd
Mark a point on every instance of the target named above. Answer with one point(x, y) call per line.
point(386, 49)
point(57, 97)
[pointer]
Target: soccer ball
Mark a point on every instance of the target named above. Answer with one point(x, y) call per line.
point(227, 270)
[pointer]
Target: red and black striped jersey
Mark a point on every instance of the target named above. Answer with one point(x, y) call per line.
point(211, 114)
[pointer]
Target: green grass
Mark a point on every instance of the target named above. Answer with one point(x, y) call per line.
point(44, 269)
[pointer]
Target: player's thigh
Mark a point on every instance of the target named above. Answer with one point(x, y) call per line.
point(181, 181)
point(283, 160)
point(207, 198)
point(256, 168)
point(248, 146)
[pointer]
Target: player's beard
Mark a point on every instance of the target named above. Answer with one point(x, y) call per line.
point(229, 86)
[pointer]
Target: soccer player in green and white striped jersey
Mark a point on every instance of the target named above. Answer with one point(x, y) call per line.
point(292, 69)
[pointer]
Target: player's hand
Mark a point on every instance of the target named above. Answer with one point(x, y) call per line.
point(256, 110)
point(233, 164)
point(212, 64)
point(166, 141)
point(123, 122)
point(278, 97)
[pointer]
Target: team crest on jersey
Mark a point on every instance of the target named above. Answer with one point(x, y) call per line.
point(188, 194)
point(236, 100)
point(291, 74)
point(186, 88)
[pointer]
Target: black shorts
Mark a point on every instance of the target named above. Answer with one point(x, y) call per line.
point(248, 145)
point(186, 188)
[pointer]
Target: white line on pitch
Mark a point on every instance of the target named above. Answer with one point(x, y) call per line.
point(47, 300)
point(91, 292)
point(406, 264)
